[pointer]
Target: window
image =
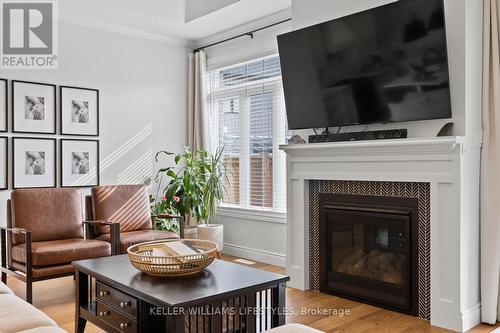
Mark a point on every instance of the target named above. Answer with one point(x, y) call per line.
point(247, 118)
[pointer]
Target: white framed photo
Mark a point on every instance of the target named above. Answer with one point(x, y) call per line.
point(4, 153)
point(79, 111)
point(3, 105)
point(33, 107)
point(79, 163)
point(33, 162)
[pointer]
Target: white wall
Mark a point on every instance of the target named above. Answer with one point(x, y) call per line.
point(305, 14)
point(143, 96)
point(253, 235)
point(469, 234)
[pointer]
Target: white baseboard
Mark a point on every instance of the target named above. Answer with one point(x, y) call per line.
point(471, 317)
point(266, 257)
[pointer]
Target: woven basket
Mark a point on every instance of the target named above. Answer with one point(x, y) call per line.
point(141, 257)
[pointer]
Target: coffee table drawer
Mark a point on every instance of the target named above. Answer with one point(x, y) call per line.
point(115, 318)
point(110, 296)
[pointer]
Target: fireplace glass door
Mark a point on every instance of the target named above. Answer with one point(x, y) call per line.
point(367, 255)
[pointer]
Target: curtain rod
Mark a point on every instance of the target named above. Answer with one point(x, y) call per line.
point(250, 33)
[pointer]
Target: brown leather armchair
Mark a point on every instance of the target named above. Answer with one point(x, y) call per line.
point(44, 234)
point(128, 206)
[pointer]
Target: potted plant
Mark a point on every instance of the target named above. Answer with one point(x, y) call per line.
point(194, 188)
point(163, 205)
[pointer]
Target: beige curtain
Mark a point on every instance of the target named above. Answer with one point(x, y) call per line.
point(490, 166)
point(196, 102)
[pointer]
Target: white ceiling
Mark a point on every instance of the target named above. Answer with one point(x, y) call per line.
point(165, 19)
point(199, 8)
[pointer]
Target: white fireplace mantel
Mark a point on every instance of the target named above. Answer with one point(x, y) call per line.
point(438, 161)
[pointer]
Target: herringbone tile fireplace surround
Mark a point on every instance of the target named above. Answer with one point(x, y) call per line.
point(421, 191)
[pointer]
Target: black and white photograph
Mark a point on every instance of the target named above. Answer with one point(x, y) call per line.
point(4, 184)
point(3, 105)
point(79, 163)
point(33, 107)
point(33, 162)
point(79, 111)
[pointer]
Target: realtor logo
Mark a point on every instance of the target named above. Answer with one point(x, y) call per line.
point(29, 33)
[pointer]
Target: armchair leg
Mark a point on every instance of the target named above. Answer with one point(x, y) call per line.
point(29, 290)
point(3, 244)
point(29, 269)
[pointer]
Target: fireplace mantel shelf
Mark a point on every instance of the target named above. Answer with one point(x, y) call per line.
point(398, 146)
point(442, 162)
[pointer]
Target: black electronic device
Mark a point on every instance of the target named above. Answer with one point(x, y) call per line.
point(360, 136)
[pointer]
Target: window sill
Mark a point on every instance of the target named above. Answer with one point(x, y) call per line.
point(252, 214)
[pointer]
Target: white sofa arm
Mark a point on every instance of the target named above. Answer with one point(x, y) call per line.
point(45, 329)
point(19, 316)
point(4, 289)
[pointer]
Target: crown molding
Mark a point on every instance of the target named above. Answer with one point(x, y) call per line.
point(181, 42)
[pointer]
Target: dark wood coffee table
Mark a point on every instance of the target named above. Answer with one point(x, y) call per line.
point(226, 297)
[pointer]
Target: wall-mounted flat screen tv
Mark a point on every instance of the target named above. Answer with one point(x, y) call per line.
point(387, 64)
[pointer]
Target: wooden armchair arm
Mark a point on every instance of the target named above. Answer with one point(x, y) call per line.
point(114, 233)
point(167, 216)
point(3, 246)
point(90, 228)
point(98, 223)
point(15, 231)
point(182, 221)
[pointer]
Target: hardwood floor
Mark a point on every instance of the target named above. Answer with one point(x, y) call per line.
point(56, 299)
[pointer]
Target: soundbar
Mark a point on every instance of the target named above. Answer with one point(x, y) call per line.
point(360, 136)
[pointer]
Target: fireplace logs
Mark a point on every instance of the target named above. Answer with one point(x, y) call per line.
point(378, 265)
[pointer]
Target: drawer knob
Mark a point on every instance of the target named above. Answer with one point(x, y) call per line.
point(103, 313)
point(104, 293)
point(125, 304)
point(124, 325)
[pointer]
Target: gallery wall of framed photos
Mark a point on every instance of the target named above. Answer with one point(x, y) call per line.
point(39, 153)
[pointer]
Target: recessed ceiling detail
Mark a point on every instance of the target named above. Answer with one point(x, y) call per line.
point(199, 8)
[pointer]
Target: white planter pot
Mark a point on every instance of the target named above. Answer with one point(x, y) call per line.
point(212, 232)
point(191, 232)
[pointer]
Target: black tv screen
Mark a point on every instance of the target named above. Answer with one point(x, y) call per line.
point(387, 64)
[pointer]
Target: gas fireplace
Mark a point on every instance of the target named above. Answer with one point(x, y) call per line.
point(369, 249)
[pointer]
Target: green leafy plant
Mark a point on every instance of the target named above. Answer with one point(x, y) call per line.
point(164, 206)
point(195, 185)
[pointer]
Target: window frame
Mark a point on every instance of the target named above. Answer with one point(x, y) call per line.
point(243, 92)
